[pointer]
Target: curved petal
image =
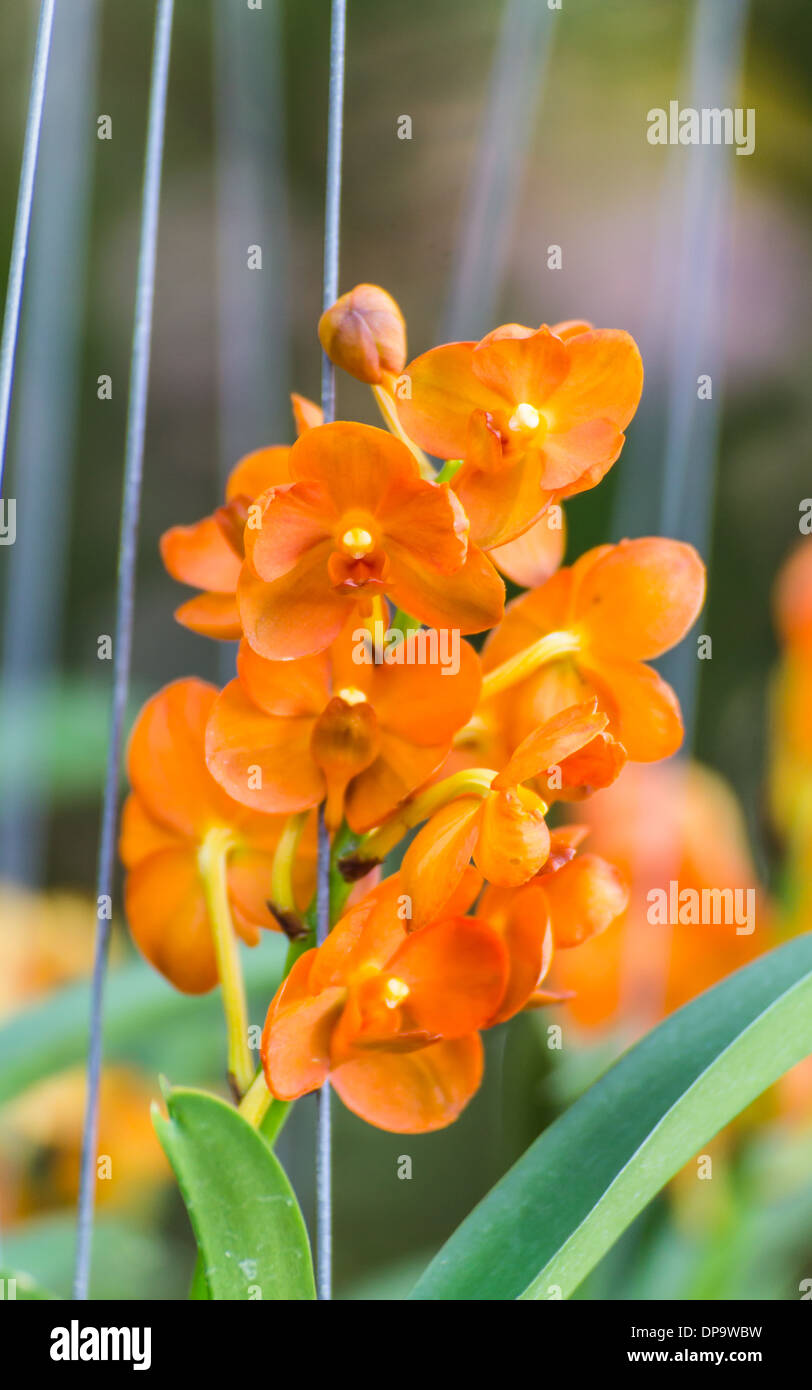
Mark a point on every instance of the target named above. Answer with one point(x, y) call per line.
point(357, 466)
point(585, 897)
point(201, 556)
point(438, 856)
point(423, 699)
point(296, 522)
point(455, 971)
point(258, 471)
point(550, 744)
point(427, 521)
point(296, 615)
point(166, 763)
point(166, 913)
point(522, 917)
point(443, 392)
point(306, 414)
point(641, 597)
point(644, 713)
point(522, 369)
point(514, 840)
point(604, 380)
point(471, 600)
point(576, 459)
point(295, 1046)
point(262, 760)
point(529, 617)
point(211, 615)
point(399, 769)
point(502, 503)
point(412, 1092)
point(140, 834)
point(300, 687)
point(532, 558)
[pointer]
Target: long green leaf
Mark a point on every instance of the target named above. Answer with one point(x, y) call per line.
point(249, 1229)
point(14, 1285)
point(545, 1225)
point(139, 1007)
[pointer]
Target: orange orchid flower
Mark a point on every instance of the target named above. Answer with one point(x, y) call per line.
point(497, 820)
point(356, 523)
point(181, 834)
point(209, 554)
point(285, 735)
point(390, 1016)
point(588, 631)
point(536, 415)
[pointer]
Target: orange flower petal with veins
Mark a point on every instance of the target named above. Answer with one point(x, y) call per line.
point(585, 897)
point(412, 1092)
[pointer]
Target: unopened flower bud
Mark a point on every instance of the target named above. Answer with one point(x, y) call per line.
point(364, 333)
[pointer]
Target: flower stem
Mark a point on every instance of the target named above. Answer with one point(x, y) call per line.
point(212, 861)
point(517, 668)
point(472, 781)
point(386, 404)
point(282, 895)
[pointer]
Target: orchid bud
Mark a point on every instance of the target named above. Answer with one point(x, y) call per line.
point(364, 333)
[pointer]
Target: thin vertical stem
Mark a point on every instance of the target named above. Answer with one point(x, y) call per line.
point(22, 220)
point(332, 222)
point(125, 597)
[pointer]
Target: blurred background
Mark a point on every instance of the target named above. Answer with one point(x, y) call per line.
point(527, 132)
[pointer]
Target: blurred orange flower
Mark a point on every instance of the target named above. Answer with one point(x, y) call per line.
point(537, 415)
point(588, 631)
point(175, 820)
point(285, 735)
point(358, 522)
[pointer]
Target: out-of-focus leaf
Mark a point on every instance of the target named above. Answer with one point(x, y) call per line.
point(249, 1229)
point(128, 1262)
point(546, 1224)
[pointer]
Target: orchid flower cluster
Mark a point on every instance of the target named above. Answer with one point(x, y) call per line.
point(448, 767)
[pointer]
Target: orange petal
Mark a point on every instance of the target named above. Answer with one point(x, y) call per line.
point(296, 615)
point(306, 413)
point(249, 878)
point(295, 524)
point(593, 767)
point(570, 328)
point(523, 919)
point(211, 615)
point(258, 471)
point(444, 391)
point(641, 597)
point(296, 1038)
point(551, 743)
point(201, 556)
point(604, 380)
point(526, 369)
point(426, 522)
point(644, 713)
point(166, 763)
point(398, 770)
point(501, 502)
point(166, 913)
point(456, 971)
point(529, 617)
point(357, 466)
point(140, 834)
point(371, 930)
point(438, 856)
point(300, 687)
point(471, 600)
point(576, 459)
point(262, 760)
point(584, 898)
point(514, 840)
point(533, 557)
point(422, 698)
point(412, 1092)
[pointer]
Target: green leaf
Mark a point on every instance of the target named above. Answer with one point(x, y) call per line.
point(249, 1229)
point(140, 1008)
point(546, 1224)
point(19, 1286)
